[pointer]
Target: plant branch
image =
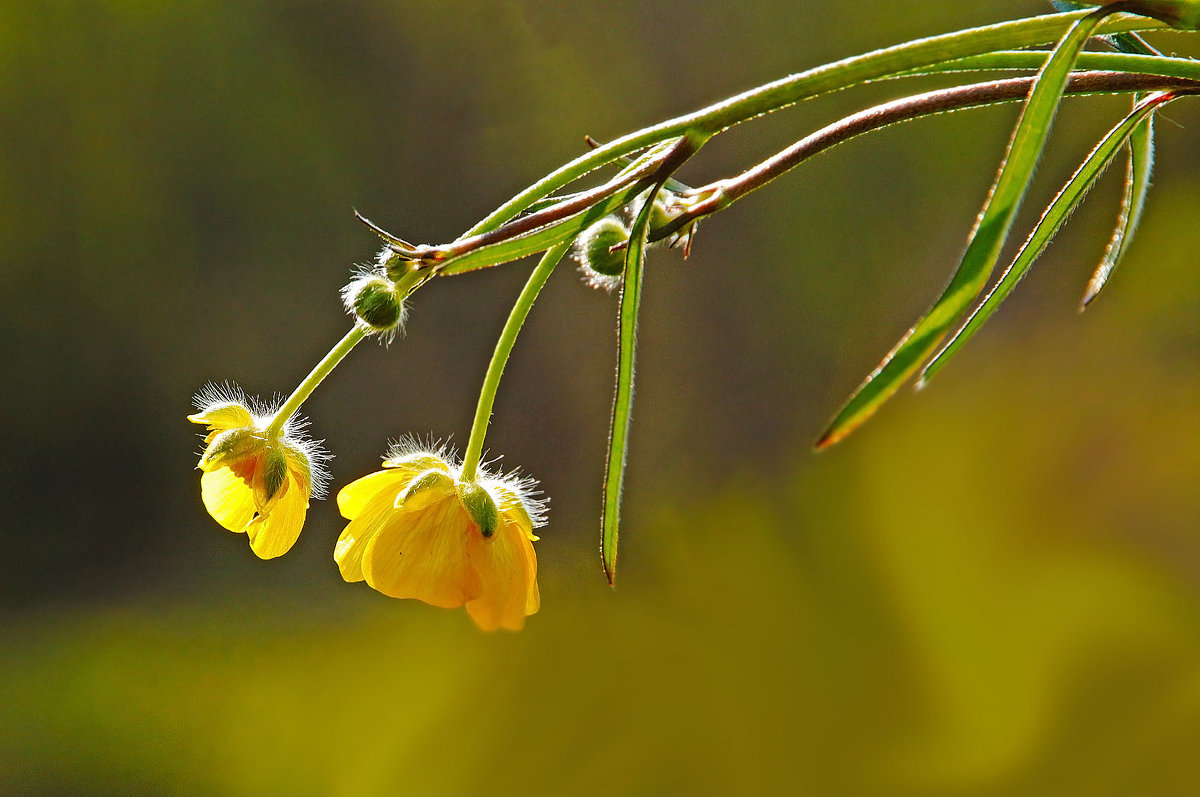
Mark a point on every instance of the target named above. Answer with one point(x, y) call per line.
point(770, 97)
point(716, 196)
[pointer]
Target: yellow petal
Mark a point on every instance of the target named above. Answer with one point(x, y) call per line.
point(419, 552)
point(511, 505)
point(227, 498)
point(507, 569)
point(367, 519)
point(274, 532)
point(223, 416)
point(354, 497)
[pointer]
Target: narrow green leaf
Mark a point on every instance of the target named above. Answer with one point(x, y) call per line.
point(1128, 42)
point(618, 431)
point(986, 240)
point(1052, 220)
point(1138, 167)
point(1139, 163)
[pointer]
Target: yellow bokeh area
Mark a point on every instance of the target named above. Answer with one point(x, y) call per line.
point(993, 588)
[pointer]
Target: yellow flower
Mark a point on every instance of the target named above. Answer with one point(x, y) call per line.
point(256, 481)
point(417, 530)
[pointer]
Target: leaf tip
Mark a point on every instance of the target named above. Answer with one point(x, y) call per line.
point(833, 435)
point(610, 566)
point(1088, 296)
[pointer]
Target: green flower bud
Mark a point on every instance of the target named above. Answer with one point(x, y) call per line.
point(659, 215)
point(376, 302)
point(480, 506)
point(598, 247)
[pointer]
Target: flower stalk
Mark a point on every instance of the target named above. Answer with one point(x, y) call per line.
point(315, 377)
point(504, 346)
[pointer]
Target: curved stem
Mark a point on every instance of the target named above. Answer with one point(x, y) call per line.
point(810, 83)
point(721, 194)
point(314, 378)
point(494, 248)
point(508, 337)
point(562, 220)
point(664, 161)
point(1164, 65)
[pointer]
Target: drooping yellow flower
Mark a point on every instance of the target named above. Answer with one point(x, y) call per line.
point(418, 530)
point(256, 480)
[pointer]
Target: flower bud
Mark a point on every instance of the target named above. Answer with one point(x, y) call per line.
point(375, 301)
point(602, 247)
point(480, 506)
point(659, 215)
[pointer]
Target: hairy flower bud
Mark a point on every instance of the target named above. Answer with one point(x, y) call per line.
point(602, 246)
point(600, 252)
point(376, 302)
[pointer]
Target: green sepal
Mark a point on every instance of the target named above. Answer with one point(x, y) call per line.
point(424, 483)
point(230, 445)
point(275, 469)
point(480, 506)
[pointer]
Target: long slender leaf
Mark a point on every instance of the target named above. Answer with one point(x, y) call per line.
point(986, 240)
point(1139, 164)
point(618, 433)
point(1052, 220)
point(1128, 42)
point(1138, 168)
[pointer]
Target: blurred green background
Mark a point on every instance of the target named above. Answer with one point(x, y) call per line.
point(991, 589)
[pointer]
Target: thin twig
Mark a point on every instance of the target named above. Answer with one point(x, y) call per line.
point(718, 195)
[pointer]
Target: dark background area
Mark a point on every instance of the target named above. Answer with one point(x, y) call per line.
point(992, 588)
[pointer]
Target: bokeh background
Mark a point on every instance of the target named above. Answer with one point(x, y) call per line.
point(992, 589)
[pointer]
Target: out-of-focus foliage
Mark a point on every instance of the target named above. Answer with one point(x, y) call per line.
point(994, 589)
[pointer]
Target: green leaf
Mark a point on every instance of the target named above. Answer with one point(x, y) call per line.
point(1059, 210)
point(1138, 167)
point(986, 240)
point(1124, 42)
point(618, 431)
